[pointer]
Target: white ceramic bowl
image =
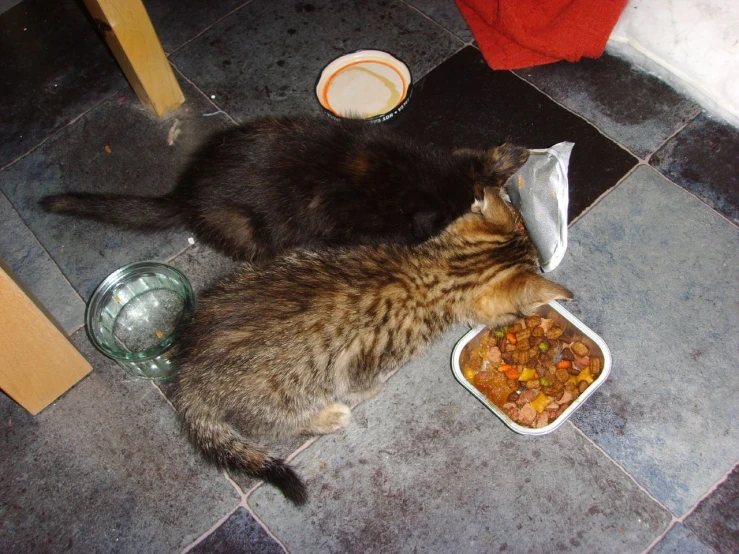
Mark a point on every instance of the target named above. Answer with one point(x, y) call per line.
point(367, 84)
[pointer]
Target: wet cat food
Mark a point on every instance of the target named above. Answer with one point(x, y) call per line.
point(534, 373)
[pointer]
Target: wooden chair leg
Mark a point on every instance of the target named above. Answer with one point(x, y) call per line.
point(37, 361)
point(134, 42)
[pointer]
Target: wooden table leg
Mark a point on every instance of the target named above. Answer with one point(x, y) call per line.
point(37, 361)
point(134, 42)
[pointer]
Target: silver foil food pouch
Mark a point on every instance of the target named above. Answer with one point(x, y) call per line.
point(539, 190)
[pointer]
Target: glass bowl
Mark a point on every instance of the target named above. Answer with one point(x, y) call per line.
point(135, 314)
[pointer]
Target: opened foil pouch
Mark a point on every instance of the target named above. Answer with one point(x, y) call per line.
point(540, 191)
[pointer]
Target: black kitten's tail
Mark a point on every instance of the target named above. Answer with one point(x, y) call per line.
point(228, 448)
point(129, 212)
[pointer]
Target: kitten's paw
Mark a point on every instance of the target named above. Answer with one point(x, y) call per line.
point(332, 418)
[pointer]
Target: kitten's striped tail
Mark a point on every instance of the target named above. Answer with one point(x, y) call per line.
point(228, 448)
point(139, 213)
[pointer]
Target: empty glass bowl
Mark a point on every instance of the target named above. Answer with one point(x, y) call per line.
point(135, 314)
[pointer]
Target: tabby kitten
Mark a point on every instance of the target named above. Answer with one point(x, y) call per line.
point(281, 350)
point(258, 189)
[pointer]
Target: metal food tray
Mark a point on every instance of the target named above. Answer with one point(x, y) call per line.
point(573, 327)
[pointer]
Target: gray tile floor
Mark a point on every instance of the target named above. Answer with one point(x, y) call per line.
point(648, 463)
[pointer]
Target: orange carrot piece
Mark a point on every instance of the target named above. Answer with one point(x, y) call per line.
point(564, 364)
point(511, 338)
point(505, 367)
point(512, 373)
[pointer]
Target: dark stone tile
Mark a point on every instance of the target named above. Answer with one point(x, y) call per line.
point(653, 273)
point(177, 21)
point(265, 59)
point(5, 5)
point(105, 468)
point(680, 540)
point(464, 103)
point(55, 67)
point(140, 161)
point(629, 105)
point(203, 266)
point(240, 533)
point(716, 519)
point(424, 467)
point(28, 260)
point(704, 159)
point(446, 14)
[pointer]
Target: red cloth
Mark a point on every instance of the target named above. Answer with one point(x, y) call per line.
point(520, 33)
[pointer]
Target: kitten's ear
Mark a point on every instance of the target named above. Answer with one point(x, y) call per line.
point(503, 161)
point(531, 291)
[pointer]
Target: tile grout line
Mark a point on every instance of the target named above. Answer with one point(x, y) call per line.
point(698, 198)
point(623, 470)
point(209, 27)
point(692, 509)
point(235, 485)
point(673, 518)
point(642, 161)
point(673, 135)
point(210, 530)
point(168, 259)
point(670, 527)
point(65, 278)
point(262, 524)
point(605, 193)
point(573, 112)
point(633, 170)
point(161, 393)
point(291, 456)
point(709, 492)
point(222, 520)
point(462, 44)
point(425, 15)
point(68, 124)
point(661, 536)
point(307, 444)
point(53, 261)
point(71, 122)
point(446, 58)
point(207, 97)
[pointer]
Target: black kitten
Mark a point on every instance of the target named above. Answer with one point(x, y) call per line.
point(260, 188)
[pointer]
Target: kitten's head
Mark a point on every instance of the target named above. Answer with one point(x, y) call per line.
point(516, 288)
point(492, 167)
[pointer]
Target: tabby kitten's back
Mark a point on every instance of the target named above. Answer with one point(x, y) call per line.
point(282, 349)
